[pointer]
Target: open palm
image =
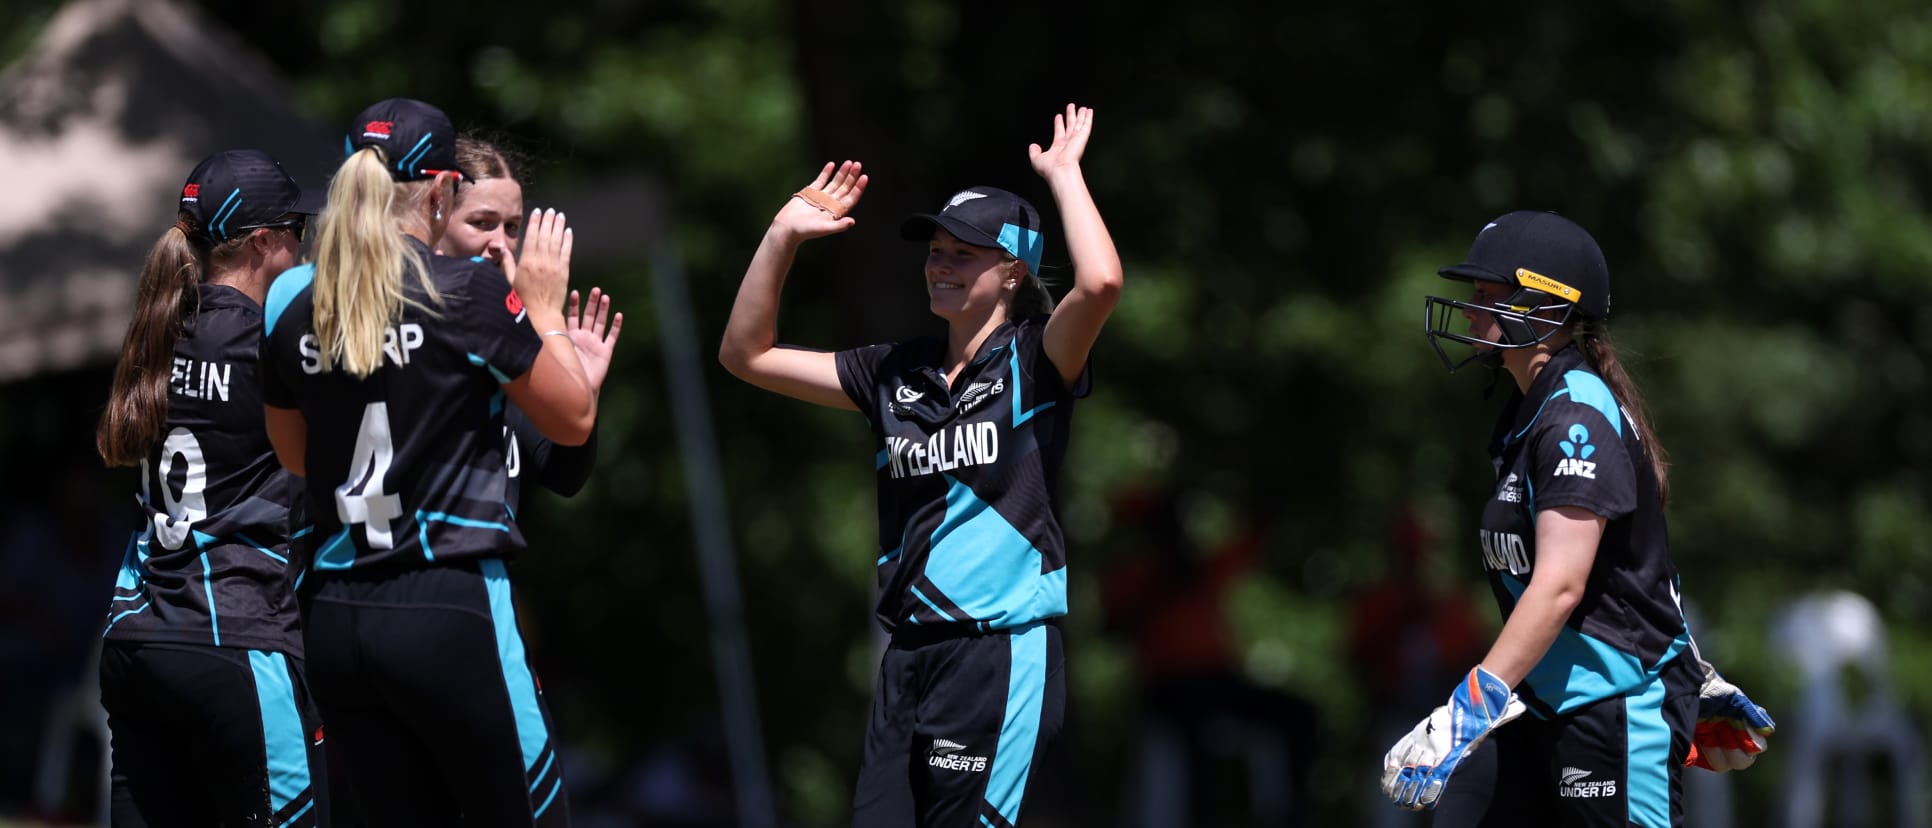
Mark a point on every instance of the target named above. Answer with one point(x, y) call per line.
point(1070, 132)
point(594, 333)
point(842, 185)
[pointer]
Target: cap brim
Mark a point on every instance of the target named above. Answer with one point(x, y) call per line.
point(919, 228)
point(1466, 272)
point(310, 202)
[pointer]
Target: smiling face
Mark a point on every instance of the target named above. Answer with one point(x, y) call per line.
point(964, 281)
point(487, 212)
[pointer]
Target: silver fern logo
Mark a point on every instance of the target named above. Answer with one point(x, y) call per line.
point(980, 392)
point(946, 755)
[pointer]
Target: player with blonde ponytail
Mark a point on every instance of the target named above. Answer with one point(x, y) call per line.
point(366, 261)
point(388, 371)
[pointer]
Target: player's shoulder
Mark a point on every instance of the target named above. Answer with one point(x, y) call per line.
point(227, 317)
point(464, 275)
point(1032, 323)
point(1581, 396)
point(229, 305)
point(294, 287)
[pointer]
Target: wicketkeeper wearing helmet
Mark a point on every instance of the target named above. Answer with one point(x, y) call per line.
point(1594, 644)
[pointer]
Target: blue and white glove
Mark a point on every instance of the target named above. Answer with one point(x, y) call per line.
point(1415, 771)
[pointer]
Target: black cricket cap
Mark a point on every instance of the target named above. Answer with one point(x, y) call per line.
point(235, 191)
point(417, 138)
point(1546, 245)
point(985, 217)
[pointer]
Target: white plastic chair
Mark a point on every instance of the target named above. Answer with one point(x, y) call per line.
point(1827, 636)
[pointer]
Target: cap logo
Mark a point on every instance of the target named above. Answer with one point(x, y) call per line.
point(1531, 279)
point(378, 129)
point(962, 197)
point(192, 192)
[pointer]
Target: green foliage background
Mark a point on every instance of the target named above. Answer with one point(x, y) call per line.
point(1283, 182)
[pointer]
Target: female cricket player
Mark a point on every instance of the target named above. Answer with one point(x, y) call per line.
point(971, 428)
point(202, 669)
point(387, 369)
point(1594, 643)
point(488, 223)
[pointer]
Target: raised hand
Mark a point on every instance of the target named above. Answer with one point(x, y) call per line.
point(543, 277)
point(589, 334)
point(1070, 133)
point(821, 208)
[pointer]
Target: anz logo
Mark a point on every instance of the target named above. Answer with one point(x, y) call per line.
point(1576, 454)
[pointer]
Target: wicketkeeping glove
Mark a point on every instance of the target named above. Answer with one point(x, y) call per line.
point(1730, 727)
point(1416, 769)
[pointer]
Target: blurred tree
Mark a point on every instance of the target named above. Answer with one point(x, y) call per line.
point(1283, 181)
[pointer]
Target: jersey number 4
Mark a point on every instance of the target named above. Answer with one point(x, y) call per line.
point(362, 497)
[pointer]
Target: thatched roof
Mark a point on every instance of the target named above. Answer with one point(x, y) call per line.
point(99, 124)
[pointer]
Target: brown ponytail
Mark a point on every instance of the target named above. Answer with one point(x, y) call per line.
point(1031, 298)
point(164, 308)
point(1593, 339)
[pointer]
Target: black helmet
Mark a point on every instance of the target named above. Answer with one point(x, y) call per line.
point(1554, 265)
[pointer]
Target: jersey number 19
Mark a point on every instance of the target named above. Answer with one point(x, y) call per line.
point(177, 515)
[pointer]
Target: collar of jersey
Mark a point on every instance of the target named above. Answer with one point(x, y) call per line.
point(1561, 363)
point(934, 351)
point(1002, 335)
point(226, 296)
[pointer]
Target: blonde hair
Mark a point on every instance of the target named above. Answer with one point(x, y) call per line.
point(360, 259)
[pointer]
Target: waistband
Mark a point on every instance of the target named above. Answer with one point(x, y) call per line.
point(914, 636)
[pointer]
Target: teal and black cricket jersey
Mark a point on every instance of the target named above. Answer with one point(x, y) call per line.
point(212, 565)
point(415, 654)
point(972, 570)
point(204, 639)
point(1567, 442)
point(406, 466)
point(1613, 700)
point(530, 456)
point(967, 475)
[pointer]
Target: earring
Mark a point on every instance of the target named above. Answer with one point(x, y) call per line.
point(439, 214)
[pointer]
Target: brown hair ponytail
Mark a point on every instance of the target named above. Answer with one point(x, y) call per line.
point(164, 308)
point(1031, 297)
point(1593, 339)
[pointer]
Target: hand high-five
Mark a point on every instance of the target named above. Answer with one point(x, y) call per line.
point(821, 208)
point(593, 340)
point(543, 277)
point(1070, 133)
